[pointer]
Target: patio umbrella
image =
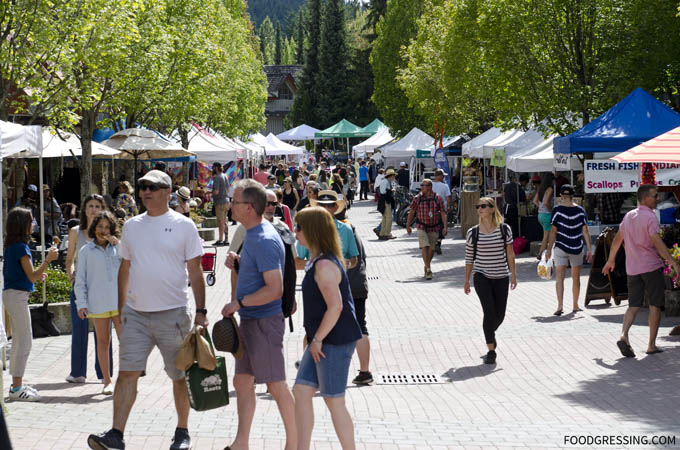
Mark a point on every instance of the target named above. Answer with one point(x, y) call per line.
point(664, 148)
point(141, 143)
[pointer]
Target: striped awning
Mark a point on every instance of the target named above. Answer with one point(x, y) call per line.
point(663, 148)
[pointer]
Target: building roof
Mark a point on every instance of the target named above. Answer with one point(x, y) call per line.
point(277, 75)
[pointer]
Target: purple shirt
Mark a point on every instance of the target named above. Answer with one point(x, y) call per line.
point(637, 227)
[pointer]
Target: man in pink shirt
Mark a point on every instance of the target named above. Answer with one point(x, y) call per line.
point(261, 175)
point(644, 266)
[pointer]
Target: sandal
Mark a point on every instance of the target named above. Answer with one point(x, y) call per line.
point(557, 313)
point(625, 348)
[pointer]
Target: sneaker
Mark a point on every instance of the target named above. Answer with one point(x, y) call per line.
point(72, 379)
point(428, 274)
point(218, 243)
point(107, 389)
point(377, 233)
point(24, 394)
point(181, 441)
point(110, 440)
point(365, 378)
point(490, 357)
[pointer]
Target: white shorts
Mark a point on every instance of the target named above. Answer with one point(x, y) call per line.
point(561, 258)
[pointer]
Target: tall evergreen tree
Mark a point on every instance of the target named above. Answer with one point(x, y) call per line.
point(300, 40)
point(279, 44)
point(306, 103)
point(333, 64)
point(267, 40)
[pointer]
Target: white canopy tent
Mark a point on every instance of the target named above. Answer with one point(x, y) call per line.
point(259, 139)
point(60, 144)
point(531, 153)
point(300, 133)
point(407, 146)
point(500, 142)
point(254, 149)
point(276, 147)
point(382, 137)
point(475, 147)
point(211, 148)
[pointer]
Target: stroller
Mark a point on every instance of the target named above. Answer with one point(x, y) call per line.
point(208, 262)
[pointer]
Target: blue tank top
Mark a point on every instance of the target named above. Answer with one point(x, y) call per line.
point(347, 328)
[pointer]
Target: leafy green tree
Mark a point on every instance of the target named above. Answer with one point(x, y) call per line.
point(395, 29)
point(307, 101)
point(289, 56)
point(333, 65)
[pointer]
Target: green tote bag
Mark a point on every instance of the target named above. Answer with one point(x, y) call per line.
point(208, 389)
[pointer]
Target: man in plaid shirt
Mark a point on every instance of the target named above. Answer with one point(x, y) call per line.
point(430, 213)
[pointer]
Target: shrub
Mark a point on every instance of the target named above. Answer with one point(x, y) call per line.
point(58, 288)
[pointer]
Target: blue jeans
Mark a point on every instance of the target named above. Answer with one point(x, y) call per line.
point(329, 375)
point(79, 336)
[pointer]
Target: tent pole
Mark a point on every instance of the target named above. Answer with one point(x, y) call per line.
point(42, 220)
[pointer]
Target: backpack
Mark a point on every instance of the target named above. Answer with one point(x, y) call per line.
point(475, 239)
point(289, 271)
point(436, 215)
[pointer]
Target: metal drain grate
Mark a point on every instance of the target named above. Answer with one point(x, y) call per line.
point(409, 378)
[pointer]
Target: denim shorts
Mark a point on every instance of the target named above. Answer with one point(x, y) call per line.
point(329, 375)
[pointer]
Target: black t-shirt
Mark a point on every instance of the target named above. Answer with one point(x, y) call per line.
point(302, 204)
point(403, 177)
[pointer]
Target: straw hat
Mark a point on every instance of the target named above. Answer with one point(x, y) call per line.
point(184, 193)
point(226, 337)
point(328, 197)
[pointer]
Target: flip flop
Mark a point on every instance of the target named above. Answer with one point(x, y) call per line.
point(626, 349)
point(654, 352)
point(557, 313)
point(577, 310)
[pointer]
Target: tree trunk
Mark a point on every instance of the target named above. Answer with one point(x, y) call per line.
point(86, 130)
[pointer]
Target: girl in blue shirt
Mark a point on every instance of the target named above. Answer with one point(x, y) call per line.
point(96, 286)
point(19, 275)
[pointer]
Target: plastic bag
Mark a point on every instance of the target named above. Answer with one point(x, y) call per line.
point(545, 268)
point(196, 348)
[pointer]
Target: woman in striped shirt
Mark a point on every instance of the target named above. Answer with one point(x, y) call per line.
point(489, 255)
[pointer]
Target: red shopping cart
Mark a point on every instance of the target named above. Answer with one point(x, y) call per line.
point(208, 262)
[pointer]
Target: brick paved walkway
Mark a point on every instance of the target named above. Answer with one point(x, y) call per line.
point(555, 377)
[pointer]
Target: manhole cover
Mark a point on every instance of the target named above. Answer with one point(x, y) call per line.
point(409, 378)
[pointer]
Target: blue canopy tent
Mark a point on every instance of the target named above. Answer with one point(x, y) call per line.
point(636, 119)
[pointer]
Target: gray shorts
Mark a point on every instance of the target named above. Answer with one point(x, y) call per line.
point(263, 349)
point(562, 258)
point(143, 330)
point(650, 283)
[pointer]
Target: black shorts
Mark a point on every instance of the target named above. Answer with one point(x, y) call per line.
point(360, 309)
point(651, 283)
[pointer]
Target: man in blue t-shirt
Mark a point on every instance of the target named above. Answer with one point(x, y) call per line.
point(569, 229)
point(363, 179)
point(259, 287)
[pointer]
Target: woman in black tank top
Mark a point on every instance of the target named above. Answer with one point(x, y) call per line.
point(290, 195)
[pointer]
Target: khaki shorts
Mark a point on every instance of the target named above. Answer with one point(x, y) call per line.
point(426, 239)
point(221, 211)
point(562, 258)
point(263, 345)
point(142, 331)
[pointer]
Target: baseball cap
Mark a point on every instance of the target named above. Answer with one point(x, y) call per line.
point(157, 177)
point(567, 189)
point(402, 164)
point(438, 172)
point(33, 187)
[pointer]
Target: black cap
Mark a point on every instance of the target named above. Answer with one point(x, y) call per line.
point(567, 189)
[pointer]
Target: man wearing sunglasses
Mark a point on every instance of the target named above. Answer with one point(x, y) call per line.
point(430, 213)
point(158, 249)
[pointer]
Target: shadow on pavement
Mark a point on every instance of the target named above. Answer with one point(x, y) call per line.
point(470, 372)
point(77, 399)
point(638, 389)
point(552, 318)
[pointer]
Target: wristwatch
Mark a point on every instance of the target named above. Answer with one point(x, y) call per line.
point(240, 301)
point(202, 311)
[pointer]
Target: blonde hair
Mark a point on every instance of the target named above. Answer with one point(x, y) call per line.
point(128, 186)
point(497, 217)
point(320, 230)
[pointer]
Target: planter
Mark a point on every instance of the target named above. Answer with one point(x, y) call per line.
point(672, 303)
point(62, 316)
point(207, 234)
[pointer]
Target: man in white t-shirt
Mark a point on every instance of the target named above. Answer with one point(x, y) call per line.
point(158, 249)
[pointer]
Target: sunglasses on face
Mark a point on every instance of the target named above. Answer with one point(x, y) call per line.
point(272, 203)
point(151, 187)
point(483, 206)
point(427, 184)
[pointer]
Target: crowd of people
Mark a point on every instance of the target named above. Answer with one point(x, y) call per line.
point(118, 282)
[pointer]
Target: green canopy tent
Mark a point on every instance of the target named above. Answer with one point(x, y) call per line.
point(343, 129)
point(372, 128)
